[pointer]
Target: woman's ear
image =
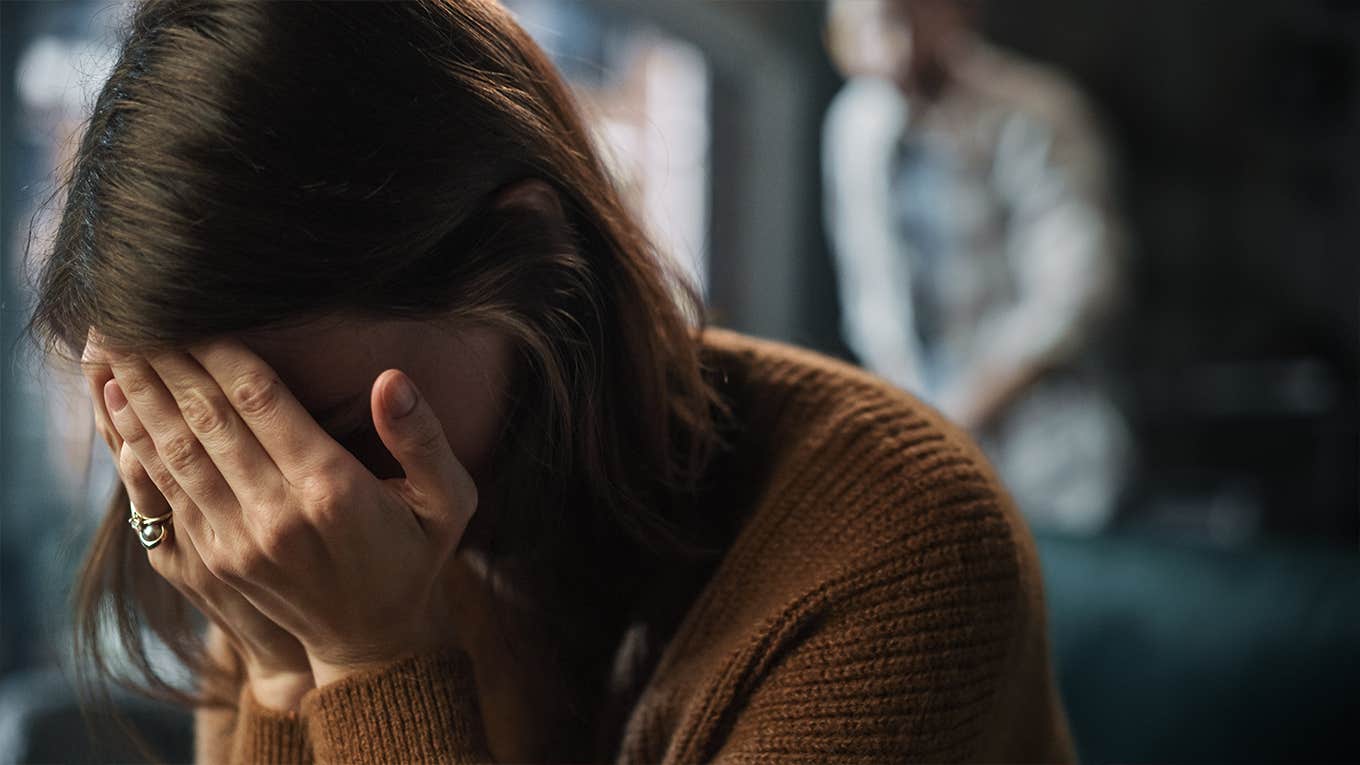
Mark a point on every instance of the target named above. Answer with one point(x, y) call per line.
point(536, 196)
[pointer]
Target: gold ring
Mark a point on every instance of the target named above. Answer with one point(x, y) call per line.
point(150, 531)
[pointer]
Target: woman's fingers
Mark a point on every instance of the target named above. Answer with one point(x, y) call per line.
point(147, 498)
point(95, 366)
point(230, 445)
point(414, 435)
point(178, 559)
point(148, 417)
point(138, 455)
point(299, 446)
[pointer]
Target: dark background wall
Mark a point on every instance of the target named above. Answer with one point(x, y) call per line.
point(1238, 126)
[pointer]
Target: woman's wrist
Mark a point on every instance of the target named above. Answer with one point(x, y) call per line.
point(327, 673)
point(281, 691)
point(327, 670)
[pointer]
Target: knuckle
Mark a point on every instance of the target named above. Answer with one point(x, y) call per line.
point(161, 479)
point(129, 427)
point(323, 492)
point(278, 539)
point(222, 566)
point(249, 564)
point(128, 463)
point(208, 535)
point(214, 564)
point(255, 393)
point(131, 468)
point(204, 415)
point(181, 453)
point(136, 386)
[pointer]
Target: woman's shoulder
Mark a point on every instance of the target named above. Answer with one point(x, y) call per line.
point(810, 395)
point(881, 597)
point(852, 472)
point(803, 406)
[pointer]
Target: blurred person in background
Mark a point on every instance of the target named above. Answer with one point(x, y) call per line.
point(977, 246)
point(422, 457)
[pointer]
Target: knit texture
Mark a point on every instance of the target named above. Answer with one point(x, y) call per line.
point(880, 602)
point(420, 709)
point(268, 735)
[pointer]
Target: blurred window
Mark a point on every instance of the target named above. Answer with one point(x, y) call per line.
point(645, 93)
point(54, 481)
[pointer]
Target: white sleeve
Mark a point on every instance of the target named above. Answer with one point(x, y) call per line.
point(1062, 242)
point(862, 126)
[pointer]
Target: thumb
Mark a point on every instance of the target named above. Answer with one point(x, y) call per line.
point(413, 434)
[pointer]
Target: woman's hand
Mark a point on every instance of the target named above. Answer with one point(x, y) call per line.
point(349, 564)
point(275, 663)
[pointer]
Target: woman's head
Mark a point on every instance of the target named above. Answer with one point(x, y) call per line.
point(269, 170)
point(261, 166)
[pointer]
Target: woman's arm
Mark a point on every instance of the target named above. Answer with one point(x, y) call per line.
point(421, 708)
point(249, 731)
point(862, 126)
point(1064, 248)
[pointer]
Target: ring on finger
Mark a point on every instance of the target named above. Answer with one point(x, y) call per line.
point(150, 531)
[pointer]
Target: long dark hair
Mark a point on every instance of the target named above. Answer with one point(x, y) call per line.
point(253, 164)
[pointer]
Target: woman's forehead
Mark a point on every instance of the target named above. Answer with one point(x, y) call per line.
point(327, 361)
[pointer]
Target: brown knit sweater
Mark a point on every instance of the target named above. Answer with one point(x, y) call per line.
point(881, 602)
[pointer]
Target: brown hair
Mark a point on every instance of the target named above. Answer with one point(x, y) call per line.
point(251, 165)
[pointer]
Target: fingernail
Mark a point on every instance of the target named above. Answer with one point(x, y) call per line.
point(113, 396)
point(403, 397)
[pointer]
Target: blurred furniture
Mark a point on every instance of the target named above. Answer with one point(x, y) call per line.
point(1167, 652)
point(41, 722)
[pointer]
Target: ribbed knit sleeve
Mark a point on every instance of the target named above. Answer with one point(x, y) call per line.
point(422, 708)
point(265, 735)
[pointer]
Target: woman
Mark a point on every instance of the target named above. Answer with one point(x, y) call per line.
point(408, 410)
